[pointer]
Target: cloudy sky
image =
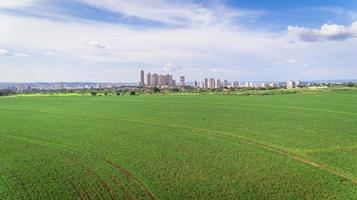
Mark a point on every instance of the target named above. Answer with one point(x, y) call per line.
point(111, 40)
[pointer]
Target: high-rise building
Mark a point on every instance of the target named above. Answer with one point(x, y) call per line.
point(246, 84)
point(290, 84)
point(202, 84)
point(225, 83)
point(196, 84)
point(182, 81)
point(212, 83)
point(206, 83)
point(148, 79)
point(142, 80)
point(273, 85)
point(154, 80)
point(168, 80)
point(219, 83)
point(162, 80)
point(236, 84)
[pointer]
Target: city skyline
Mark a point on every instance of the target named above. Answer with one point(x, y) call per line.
point(167, 81)
point(109, 41)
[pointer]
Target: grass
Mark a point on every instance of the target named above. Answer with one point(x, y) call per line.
point(297, 146)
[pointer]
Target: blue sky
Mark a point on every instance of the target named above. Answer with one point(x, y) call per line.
point(111, 40)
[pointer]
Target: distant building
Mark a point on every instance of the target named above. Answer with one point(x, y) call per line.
point(246, 84)
point(290, 84)
point(157, 80)
point(236, 84)
point(142, 80)
point(148, 79)
point(162, 80)
point(182, 81)
point(206, 83)
point(212, 83)
point(225, 83)
point(202, 84)
point(273, 85)
point(168, 80)
point(154, 80)
point(219, 84)
point(293, 84)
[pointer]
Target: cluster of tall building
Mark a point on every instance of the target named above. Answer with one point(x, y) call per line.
point(159, 80)
point(292, 84)
point(213, 83)
point(166, 80)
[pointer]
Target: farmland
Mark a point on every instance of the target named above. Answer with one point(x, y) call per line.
point(297, 146)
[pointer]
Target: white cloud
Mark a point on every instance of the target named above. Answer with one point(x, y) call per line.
point(215, 70)
point(21, 54)
point(170, 67)
point(15, 3)
point(172, 13)
point(96, 44)
point(156, 46)
point(325, 33)
point(212, 46)
point(4, 52)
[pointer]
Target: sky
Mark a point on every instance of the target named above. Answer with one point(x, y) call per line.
point(112, 40)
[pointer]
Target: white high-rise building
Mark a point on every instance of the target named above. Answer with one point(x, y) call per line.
point(212, 83)
point(290, 84)
point(297, 83)
point(202, 84)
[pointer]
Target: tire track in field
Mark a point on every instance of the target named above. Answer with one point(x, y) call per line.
point(285, 153)
point(229, 136)
point(131, 176)
point(266, 146)
point(91, 172)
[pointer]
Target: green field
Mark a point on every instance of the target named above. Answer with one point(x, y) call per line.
point(298, 146)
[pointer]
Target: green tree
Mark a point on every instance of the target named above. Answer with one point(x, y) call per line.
point(156, 89)
point(350, 84)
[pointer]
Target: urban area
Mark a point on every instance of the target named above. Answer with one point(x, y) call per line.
point(156, 82)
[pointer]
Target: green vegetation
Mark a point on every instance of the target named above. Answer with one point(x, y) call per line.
point(297, 146)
